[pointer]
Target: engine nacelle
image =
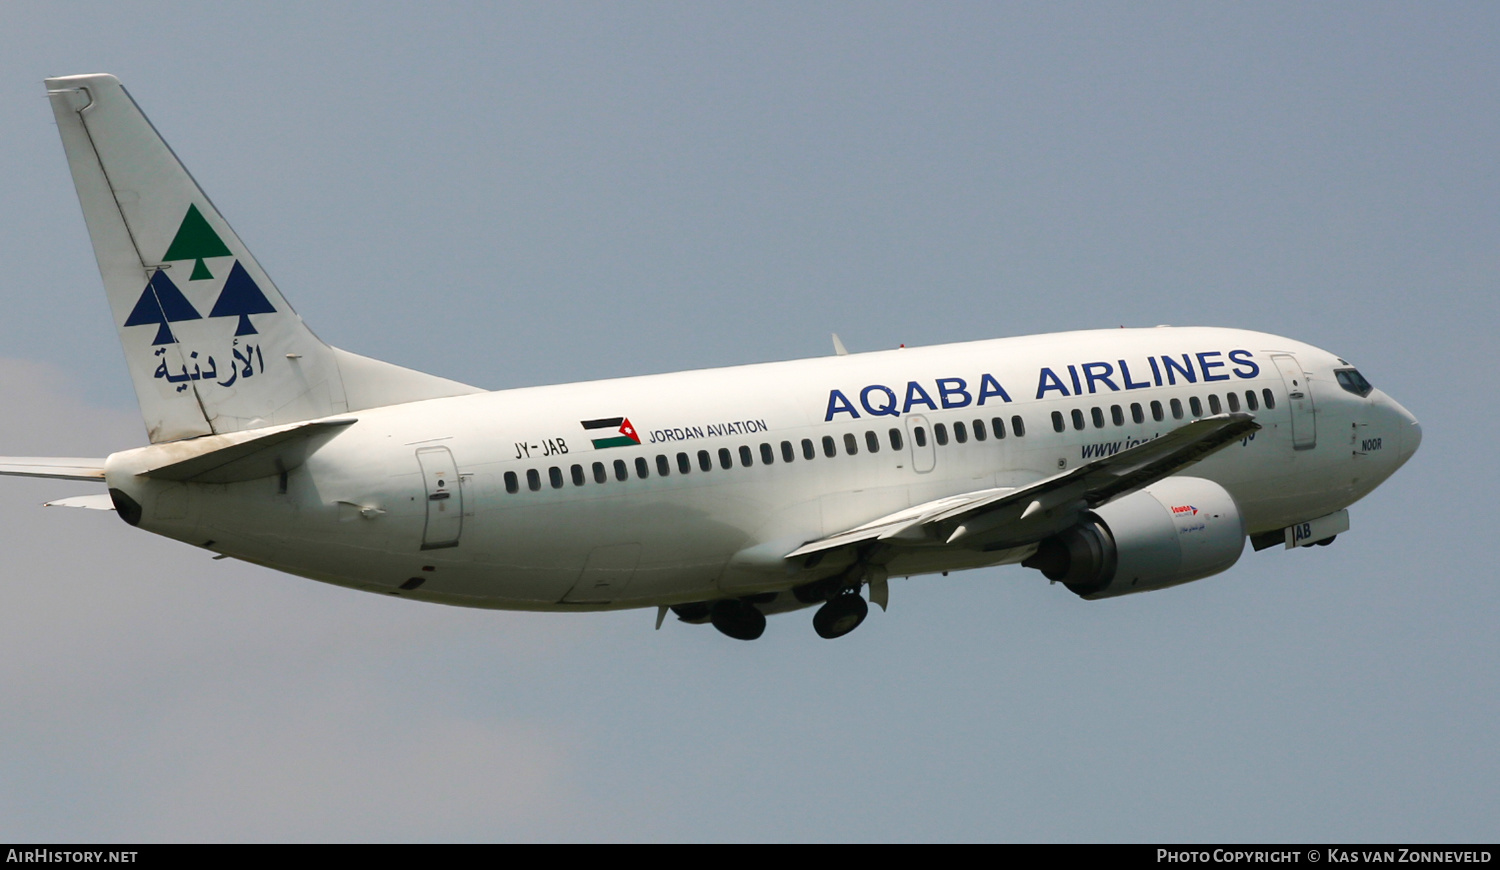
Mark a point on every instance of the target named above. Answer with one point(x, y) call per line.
point(1174, 531)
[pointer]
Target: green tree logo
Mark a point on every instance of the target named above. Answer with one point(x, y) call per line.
point(195, 240)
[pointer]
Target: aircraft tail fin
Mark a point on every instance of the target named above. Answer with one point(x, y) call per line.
point(212, 345)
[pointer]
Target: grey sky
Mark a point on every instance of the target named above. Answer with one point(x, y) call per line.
point(521, 194)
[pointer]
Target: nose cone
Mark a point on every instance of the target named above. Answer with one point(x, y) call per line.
point(1408, 431)
point(1411, 439)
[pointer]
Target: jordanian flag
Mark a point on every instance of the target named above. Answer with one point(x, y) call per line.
point(617, 432)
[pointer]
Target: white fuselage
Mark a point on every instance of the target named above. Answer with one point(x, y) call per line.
point(377, 505)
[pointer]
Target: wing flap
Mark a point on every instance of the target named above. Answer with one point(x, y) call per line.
point(897, 524)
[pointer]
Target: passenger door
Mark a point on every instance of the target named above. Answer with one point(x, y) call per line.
point(445, 498)
point(1299, 401)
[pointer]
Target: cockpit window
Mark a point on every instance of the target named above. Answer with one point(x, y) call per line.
point(1354, 382)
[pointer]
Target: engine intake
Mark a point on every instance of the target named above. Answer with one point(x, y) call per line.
point(1175, 531)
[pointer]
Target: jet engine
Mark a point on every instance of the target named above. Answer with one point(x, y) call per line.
point(1174, 531)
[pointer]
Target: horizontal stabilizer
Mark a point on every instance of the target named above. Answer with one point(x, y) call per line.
point(245, 455)
point(99, 501)
point(1027, 514)
point(56, 467)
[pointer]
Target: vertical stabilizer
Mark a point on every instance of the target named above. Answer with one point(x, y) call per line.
point(212, 345)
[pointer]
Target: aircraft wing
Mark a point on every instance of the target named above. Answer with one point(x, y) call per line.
point(56, 467)
point(1006, 517)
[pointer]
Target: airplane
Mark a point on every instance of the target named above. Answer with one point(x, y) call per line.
point(1112, 461)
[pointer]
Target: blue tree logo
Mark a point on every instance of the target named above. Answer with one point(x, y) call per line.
point(162, 303)
point(241, 298)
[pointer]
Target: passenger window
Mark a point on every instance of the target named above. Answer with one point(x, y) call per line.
point(705, 461)
point(851, 446)
point(872, 442)
point(621, 473)
point(1156, 412)
point(1270, 399)
point(599, 475)
point(663, 465)
point(1078, 419)
point(787, 453)
point(940, 432)
point(533, 480)
point(960, 433)
point(554, 475)
point(1057, 421)
point(767, 455)
point(895, 436)
point(1017, 426)
point(1176, 409)
point(684, 463)
point(1196, 405)
point(1234, 402)
point(726, 459)
point(829, 449)
point(807, 449)
point(1098, 415)
point(1251, 403)
point(1117, 414)
point(998, 425)
point(979, 434)
point(747, 459)
point(578, 478)
point(1213, 405)
point(642, 469)
point(920, 436)
point(512, 483)
point(1137, 413)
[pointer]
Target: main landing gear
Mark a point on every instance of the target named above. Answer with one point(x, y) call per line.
point(738, 619)
point(841, 615)
point(842, 611)
point(841, 607)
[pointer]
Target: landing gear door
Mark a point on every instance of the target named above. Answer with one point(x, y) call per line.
point(445, 498)
point(1299, 401)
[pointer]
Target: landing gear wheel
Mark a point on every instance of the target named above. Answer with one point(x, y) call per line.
point(697, 611)
point(840, 616)
point(738, 619)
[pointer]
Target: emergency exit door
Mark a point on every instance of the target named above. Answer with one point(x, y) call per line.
point(923, 452)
